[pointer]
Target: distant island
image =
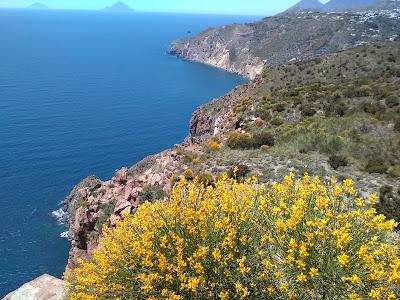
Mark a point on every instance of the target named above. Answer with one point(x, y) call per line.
point(119, 7)
point(38, 5)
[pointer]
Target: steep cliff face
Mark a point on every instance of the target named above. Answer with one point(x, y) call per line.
point(246, 48)
point(93, 203)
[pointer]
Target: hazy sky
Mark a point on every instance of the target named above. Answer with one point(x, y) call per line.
point(254, 7)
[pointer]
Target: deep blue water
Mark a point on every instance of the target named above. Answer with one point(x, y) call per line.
point(85, 93)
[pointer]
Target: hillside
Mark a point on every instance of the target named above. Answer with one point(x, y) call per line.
point(337, 115)
point(344, 5)
point(246, 48)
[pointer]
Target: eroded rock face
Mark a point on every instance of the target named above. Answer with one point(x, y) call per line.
point(213, 118)
point(93, 203)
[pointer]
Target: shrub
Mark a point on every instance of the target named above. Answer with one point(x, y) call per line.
point(278, 121)
point(264, 148)
point(392, 101)
point(396, 126)
point(350, 92)
point(263, 113)
point(152, 193)
point(259, 122)
point(206, 178)
point(364, 91)
point(174, 179)
point(263, 138)
point(213, 145)
point(291, 240)
point(389, 203)
point(376, 166)
point(394, 171)
point(238, 140)
point(188, 156)
point(82, 203)
point(374, 108)
point(339, 108)
point(380, 92)
point(105, 212)
point(308, 111)
point(239, 172)
point(337, 161)
point(280, 107)
point(188, 174)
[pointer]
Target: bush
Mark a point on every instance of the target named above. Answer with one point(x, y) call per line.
point(389, 203)
point(238, 140)
point(105, 212)
point(188, 174)
point(337, 161)
point(350, 92)
point(213, 145)
point(152, 193)
point(259, 122)
point(206, 178)
point(278, 121)
point(339, 108)
point(396, 126)
point(308, 111)
point(376, 166)
point(239, 172)
point(291, 240)
point(280, 107)
point(364, 91)
point(392, 101)
point(188, 156)
point(174, 179)
point(374, 108)
point(394, 171)
point(263, 138)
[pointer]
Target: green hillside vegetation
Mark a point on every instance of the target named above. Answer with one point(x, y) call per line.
point(337, 115)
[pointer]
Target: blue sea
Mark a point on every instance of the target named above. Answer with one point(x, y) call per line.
point(85, 93)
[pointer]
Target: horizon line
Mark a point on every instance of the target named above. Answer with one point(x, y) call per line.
point(138, 11)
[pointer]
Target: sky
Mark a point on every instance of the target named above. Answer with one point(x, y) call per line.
point(239, 7)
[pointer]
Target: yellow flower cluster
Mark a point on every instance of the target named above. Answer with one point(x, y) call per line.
point(298, 239)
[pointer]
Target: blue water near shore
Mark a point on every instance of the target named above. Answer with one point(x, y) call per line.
point(85, 93)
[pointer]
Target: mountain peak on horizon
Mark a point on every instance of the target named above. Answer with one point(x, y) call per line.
point(119, 7)
point(307, 4)
point(38, 5)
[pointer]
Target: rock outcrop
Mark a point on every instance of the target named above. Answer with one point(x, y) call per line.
point(45, 287)
point(93, 203)
point(246, 48)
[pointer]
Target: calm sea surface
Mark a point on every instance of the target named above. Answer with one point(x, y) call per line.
point(85, 93)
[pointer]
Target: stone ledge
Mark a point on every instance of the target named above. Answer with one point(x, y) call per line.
point(45, 287)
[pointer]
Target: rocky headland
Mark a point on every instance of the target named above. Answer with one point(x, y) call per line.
point(287, 37)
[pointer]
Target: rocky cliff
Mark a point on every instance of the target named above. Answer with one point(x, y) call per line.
point(246, 48)
point(337, 115)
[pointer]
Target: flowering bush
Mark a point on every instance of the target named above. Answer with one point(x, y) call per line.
point(213, 145)
point(299, 239)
